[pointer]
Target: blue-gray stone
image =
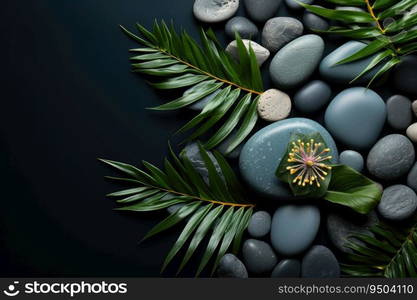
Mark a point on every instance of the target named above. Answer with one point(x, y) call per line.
point(314, 22)
point(287, 268)
point(259, 224)
point(392, 157)
point(320, 262)
point(199, 105)
point(345, 73)
point(399, 112)
point(312, 97)
point(261, 10)
point(294, 228)
point(405, 75)
point(352, 159)
point(412, 178)
point(280, 31)
point(231, 267)
point(398, 203)
point(258, 256)
point(292, 4)
point(356, 117)
point(243, 26)
point(296, 61)
point(262, 154)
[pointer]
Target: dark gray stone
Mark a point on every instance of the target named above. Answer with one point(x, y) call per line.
point(292, 4)
point(312, 97)
point(412, 178)
point(199, 105)
point(392, 157)
point(258, 256)
point(261, 10)
point(352, 159)
point(280, 31)
point(231, 267)
point(414, 106)
point(320, 262)
point(259, 224)
point(213, 11)
point(405, 75)
point(399, 112)
point(398, 203)
point(243, 26)
point(314, 22)
point(287, 268)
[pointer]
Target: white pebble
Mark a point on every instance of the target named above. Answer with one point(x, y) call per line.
point(213, 11)
point(412, 132)
point(261, 53)
point(274, 105)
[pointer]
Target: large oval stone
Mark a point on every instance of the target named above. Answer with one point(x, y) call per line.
point(320, 262)
point(356, 117)
point(287, 268)
point(262, 154)
point(258, 256)
point(296, 61)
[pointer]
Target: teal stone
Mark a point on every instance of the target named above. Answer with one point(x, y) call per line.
point(356, 117)
point(262, 154)
point(345, 73)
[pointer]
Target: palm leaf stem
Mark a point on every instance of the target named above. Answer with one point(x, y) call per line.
point(373, 15)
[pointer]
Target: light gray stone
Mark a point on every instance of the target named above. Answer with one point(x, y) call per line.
point(231, 267)
point(261, 10)
point(314, 22)
point(243, 26)
point(258, 256)
point(352, 159)
point(412, 132)
point(213, 11)
point(280, 31)
point(398, 203)
point(292, 4)
point(274, 105)
point(259, 224)
point(261, 53)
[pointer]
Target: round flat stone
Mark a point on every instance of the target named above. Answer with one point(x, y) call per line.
point(258, 256)
point(312, 97)
point(412, 178)
point(280, 31)
point(274, 105)
point(398, 203)
point(261, 53)
point(392, 157)
point(294, 228)
point(231, 267)
point(292, 4)
point(399, 112)
point(352, 159)
point(320, 262)
point(262, 154)
point(405, 75)
point(287, 268)
point(213, 11)
point(296, 61)
point(259, 224)
point(314, 22)
point(243, 26)
point(356, 117)
point(412, 132)
point(261, 10)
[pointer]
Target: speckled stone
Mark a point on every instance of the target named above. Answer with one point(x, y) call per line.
point(294, 228)
point(261, 10)
point(259, 224)
point(412, 132)
point(297, 61)
point(243, 26)
point(314, 22)
point(261, 53)
point(292, 4)
point(312, 97)
point(258, 256)
point(213, 11)
point(398, 203)
point(405, 75)
point(391, 157)
point(412, 178)
point(352, 159)
point(231, 267)
point(263, 152)
point(274, 105)
point(399, 112)
point(356, 117)
point(287, 268)
point(320, 262)
point(199, 105)
point(280, 31)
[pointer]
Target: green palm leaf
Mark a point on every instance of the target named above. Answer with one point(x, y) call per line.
point(217, 209)
point(181, 63)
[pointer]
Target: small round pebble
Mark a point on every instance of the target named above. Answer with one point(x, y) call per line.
point(243, 26)
point(261, 10)
point(259, 224)
point(213, 11)
point(261, 53)
point(414, 106)
point(287, 268)
point(320, 262)
point(312, 97)
point(352, 159)
point(398, 202)
point(399, 112)
point(412, 178)
point(292, 4)
point(412, 132)
point(314, 22)
point(258, 256)
point(274, 105)
point(231, 267)
point(280, 31)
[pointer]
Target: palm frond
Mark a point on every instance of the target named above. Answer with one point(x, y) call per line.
point(217, 209)
point(181, 63)
point(387, 251)
point(385, 25)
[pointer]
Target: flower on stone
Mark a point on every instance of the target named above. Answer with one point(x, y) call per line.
point(310, 162)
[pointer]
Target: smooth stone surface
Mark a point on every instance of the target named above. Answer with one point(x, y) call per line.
point(225, 144)
point(399, 113)
point(340, 225)
point(287, 268)
point(412, 178)
point(243, 26)
point(312, 97)
point(199, 105)
point(231, 267)
point(392, 157)
point(412, 132)
point(398, 203)
point(260, 224)
point(292, 4)
point(414, 106)
point(261, 10)
point(320, 262)
point(297, 61)
point(345, 73)
point(314, 22)
point(356, 117)
point(280, 31)
point(274, 105)
point(213, 11)
point(352, 159)
point(258, 256)
point(405, 75)
point(294, 228)
point(261, 53)
point(263, 152)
